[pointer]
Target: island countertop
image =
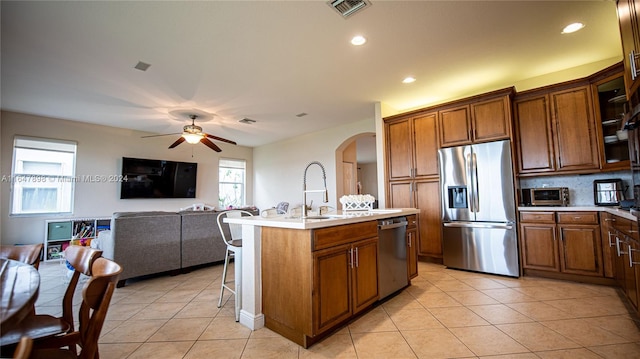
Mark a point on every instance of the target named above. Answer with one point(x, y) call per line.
point(331, 219)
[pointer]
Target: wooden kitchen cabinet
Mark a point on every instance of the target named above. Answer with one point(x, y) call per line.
point(629, 21)
point(346, 282)
point(315, 280)
point(412, 147)
point(574, 130)
point(481, 120)
point(412, 246)
point(610, 105)
point(425, 196)
point(534, 137)
point(608, 235)
point(564, 242)
point(580, 243)
point(538, 241)
point(455, 126)
point(555, 131)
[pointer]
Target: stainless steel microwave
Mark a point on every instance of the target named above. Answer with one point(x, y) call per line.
point(545, 196)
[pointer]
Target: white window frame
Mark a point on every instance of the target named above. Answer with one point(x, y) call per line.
point(47, 151)
point(231, 163)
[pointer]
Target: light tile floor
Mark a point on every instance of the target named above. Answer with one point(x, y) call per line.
point(443, 314)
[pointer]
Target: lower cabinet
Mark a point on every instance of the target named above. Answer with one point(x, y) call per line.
point(565, 242)
point(425, 196)
point(345, 283)
point(412, 246)
point(315, 280)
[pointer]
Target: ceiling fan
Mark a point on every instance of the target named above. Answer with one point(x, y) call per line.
point(193, 134)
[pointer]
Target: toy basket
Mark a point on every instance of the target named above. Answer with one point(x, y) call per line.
point(357, 202)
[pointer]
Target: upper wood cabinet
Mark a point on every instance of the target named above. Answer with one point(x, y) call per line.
point(610, 104)
point(412, 147)
point(482, 120)
point(574, 129)
point(534, 137)
point(629, 20)
point(555, 131)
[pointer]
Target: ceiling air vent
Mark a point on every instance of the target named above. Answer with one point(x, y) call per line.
point(348, 7)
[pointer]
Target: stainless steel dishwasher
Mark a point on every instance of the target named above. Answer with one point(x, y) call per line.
point(392, 255)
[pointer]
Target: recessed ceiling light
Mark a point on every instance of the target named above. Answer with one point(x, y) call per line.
point(572, 27)
point(408, 80)
point(358, 40)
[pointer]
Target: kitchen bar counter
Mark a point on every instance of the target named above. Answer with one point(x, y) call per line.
point(251, 281)
point(613, 210)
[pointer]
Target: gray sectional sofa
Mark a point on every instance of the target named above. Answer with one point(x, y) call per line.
point(153, 242)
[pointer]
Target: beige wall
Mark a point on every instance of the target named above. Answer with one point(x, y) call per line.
point(279, 167)
point(100, 151)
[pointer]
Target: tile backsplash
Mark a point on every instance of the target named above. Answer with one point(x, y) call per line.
point(580, 186)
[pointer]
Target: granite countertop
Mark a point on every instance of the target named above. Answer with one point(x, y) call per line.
point(335, 218)
point(613, 210)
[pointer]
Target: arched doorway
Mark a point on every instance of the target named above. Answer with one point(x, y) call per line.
point(356, 166)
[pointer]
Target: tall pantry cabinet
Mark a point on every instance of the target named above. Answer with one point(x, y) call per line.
point(412, 172)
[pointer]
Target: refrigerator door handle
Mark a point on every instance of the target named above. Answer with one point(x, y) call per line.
point(507, 225)
point(470, 193)
point(474, 183)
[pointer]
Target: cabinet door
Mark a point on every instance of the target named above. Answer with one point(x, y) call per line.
point(332, 284)
point(427, 197)
point(426, 145)
point(401, 195)
point(399, 149)
point(629, 20)
point(630, 285)
point(491, 120)
point(365, 274)
point(539, 246)
point(607, 233)
point(574, 129)
point(455, 126)
point(580, 249)
point(412, 253)
point(609, 104)
point(533, 135)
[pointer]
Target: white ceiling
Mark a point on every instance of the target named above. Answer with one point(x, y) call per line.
point(271, 60)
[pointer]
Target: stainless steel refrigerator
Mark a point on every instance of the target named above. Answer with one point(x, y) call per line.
point(478, 208)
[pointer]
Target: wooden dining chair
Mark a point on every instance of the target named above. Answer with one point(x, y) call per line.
point(42, 326)
point(96, 297)
point(26, 253)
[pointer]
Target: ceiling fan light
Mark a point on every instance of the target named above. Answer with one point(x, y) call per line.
point(192, 138)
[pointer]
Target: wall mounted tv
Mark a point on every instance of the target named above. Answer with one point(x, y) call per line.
point(146, 178)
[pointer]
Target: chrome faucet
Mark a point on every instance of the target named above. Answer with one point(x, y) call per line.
point(325, 196)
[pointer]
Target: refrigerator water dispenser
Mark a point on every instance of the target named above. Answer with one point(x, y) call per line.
point(457, 196)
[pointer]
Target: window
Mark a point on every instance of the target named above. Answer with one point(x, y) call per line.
point(42, 176)
point(231, 177)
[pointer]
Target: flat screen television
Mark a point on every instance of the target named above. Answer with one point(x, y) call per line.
point(144, 178)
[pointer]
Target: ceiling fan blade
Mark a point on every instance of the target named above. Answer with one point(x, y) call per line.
point(210, 144)
point(220, 139)
point(178, 141)
point(166, 134)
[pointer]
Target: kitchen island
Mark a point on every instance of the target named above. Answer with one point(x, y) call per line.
point(284, 260)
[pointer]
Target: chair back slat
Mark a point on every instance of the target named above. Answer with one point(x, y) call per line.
point(26, 253)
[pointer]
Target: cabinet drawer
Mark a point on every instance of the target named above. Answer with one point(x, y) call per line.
point(412, 221)
point(537, 217)
point(333, 236)
point(627, 226)
point(58, 230)
point(578, 217)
